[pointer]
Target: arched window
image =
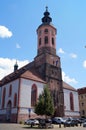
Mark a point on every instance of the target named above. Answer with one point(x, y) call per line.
point(83, 112)
point(46, 30)
point(46, 39)
point(10, 90)
point(15, 100)
point(33, 95)
point(52, 41)
point(9, 104)
point(3, 97)
point(71, 102)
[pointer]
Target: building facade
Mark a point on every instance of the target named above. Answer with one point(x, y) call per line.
point(82, 101)
point(20, 90)
point(47, 63)
point(71, 102)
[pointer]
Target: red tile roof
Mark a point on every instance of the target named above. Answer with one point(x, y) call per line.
point(82, 90)
point(67, 86)
point(32, 76)
point(26, 71)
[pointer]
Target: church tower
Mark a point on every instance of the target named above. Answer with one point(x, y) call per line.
point(47, 63)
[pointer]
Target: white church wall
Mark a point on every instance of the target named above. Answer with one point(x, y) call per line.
point(0, 97)
point(66, 100)
point(67, 110)
point(76, 102)
point(15, 87)
point(25, 94)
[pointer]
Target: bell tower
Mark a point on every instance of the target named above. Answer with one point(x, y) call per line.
point(46, 35)
point(47, 63)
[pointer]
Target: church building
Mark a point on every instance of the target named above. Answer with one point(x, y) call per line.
point(20, 90)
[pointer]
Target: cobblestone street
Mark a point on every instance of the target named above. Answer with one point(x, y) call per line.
point(4, 126)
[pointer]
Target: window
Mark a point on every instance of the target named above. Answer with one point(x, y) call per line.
point(33, 95)
point(83, 112)
point(71, 102)
point(8, 110)
point(82, 96)
point(46, 39)
point(52, 41)
point(46, 30)
point(10, 90)
point(3, 97)
point(82, 104)
point(39, 41)
point(15, 100)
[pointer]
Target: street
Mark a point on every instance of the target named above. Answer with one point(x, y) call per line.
point(11, 126)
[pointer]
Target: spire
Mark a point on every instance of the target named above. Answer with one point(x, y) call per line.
point(15, 66)
point(46, 19)
point(46, 8)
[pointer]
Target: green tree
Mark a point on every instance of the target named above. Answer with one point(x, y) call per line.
point(45, 104)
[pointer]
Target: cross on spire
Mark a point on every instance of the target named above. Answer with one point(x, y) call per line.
point(46, 8)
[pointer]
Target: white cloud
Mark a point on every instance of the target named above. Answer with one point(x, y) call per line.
point(18, 46)
point(7, 66)
point(61, 51)
point(4, 32)
point(84, 64)
point(67, 79)
point(72, 55)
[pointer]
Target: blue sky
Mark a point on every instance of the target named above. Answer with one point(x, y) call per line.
point(19, 20)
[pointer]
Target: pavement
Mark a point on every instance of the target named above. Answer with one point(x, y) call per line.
point(11, 126)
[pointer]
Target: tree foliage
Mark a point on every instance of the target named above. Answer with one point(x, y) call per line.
point(45, 104)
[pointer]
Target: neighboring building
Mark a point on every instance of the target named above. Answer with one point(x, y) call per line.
point(20, 90)
point(82, 101)
point(71, 102)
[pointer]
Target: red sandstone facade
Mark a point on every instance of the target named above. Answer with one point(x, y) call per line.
point(20, 90)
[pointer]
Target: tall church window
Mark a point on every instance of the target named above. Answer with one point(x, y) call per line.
point(33, 95)
point(52, 41)
point(46, 39)
point(71, 102)
point(3, 97)
point(39, 41)
point(10, 90)
point(46, 30)
point(15, 100)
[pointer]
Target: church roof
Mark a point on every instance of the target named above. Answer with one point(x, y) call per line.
point(67, 86)
point(26, 71)
point(46, 20)
point(32, 75)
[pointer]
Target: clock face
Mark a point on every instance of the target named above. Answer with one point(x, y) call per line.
point(56, 62)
